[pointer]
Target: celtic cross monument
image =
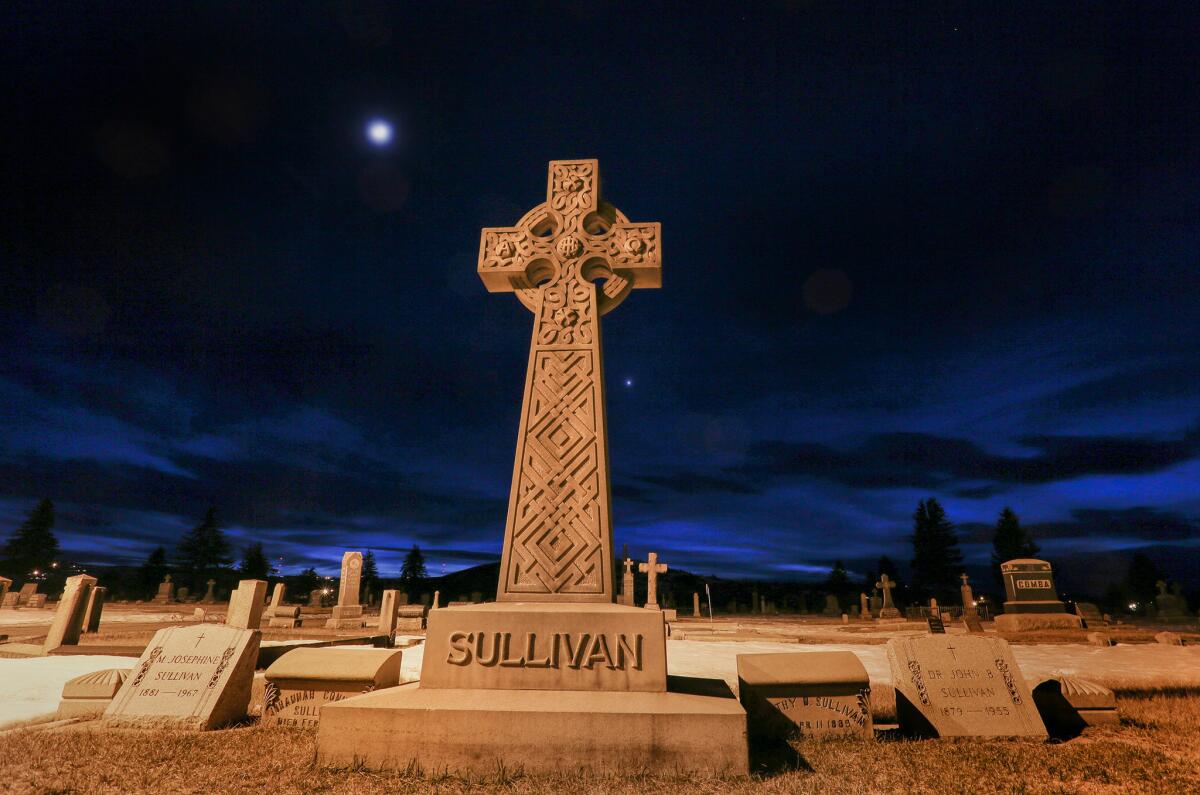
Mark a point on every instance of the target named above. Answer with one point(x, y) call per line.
point(558, 535)
point(552, 675)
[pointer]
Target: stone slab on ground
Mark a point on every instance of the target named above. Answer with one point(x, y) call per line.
point(534, 730)
point(1068, 704)
point(195, 677)
point(961, 686)
point(302, 681)
point(90, 694)
point(805, 693)
point(1030, 622)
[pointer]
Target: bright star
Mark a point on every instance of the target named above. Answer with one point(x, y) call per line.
point(628, 382)
point(379, 132)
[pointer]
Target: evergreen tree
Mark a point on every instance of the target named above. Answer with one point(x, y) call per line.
point(370, 575)
point(153, 571)
point(1143, 579)
point(413, 572)
point(33, 546)
point(937, 560)
point(838, 582)
point(254, 565)
point(308, 581)
point(1010, 542)
point(203, 550)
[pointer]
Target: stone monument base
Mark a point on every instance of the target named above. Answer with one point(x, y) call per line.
point(1043, 606)
point(1028, 622)
point(535, 730)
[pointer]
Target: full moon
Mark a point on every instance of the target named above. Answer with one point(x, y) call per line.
point(379, 132)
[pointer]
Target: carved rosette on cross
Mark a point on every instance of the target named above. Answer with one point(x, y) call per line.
point(570, 259)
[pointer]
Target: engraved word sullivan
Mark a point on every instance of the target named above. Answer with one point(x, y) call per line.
point(616, 651)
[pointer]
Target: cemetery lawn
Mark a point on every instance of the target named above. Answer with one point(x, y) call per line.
point(1156, 749)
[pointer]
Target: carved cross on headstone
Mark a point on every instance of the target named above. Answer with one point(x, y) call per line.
point(886, 586)
point(558, 533)
point(652, 568)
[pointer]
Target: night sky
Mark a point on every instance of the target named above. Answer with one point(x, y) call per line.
point(907, 253)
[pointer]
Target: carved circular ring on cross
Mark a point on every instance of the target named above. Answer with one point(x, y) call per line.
point(544, 224)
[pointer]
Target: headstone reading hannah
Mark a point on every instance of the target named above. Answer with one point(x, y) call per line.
point(195, 677)
point(961, 686)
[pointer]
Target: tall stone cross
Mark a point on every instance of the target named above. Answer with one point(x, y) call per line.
point(569, 260)
point(652, 568)
point(886, 586)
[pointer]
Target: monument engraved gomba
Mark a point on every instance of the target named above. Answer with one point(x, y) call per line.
point(553, 675)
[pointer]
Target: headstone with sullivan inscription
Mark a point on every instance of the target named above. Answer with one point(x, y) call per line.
point(805, 693)
point(195, 677)
point(961, 686)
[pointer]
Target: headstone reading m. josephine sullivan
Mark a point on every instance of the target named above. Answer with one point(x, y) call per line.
point(961, 686)
point(195, 677)
point(552, 675)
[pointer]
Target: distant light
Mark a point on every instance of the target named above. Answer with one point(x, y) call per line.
point(628, 382)
point(1133, 605)
point(379, 132)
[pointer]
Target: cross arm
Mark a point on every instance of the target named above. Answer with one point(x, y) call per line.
point(508, 257)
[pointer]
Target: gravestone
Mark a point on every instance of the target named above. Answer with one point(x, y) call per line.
point(1168, 639)
point(302, 681)
point(195, 677)
point(347, 614)
point(246, 605)
point(90, 694)
point(5, 584)
point(27, 591)
point(967, 595)
point(627, 584)
point(36, 601)
point(936, 625)
point(1032, 601)
point(182, 593)
point(387, 613)
point(864, 605)
point(961, 686)
point(1089, 614)
point(832, 609)
point(695, 604)
point(410, 618)
point(12, 600)
point(652, 568)
point(553, 675)
point(209, 597)
point(166, 591)
point(1069, 704)
point(437, 600)
point(887, 610)
point(94, 609)
point(1169, 607)
point(876, 603)
point(805, 694)
point(972, 622)
point(1099, 639)
point(277, 594)
point(69, 617)
point(314, 597)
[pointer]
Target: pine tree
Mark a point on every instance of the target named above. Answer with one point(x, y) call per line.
point(308, 581)
point(33, 546)
point(838, 582)
point(254, 565)
point(1143, 579)
point(937, 560)
point(1010, 542)
point(413, 572)
point(153, 571)
point(203, 550)
point(370, 575)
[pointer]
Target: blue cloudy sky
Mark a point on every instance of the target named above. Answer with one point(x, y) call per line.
point(906, 254)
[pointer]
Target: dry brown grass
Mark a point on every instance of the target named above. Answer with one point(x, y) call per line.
point(1156, 749)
